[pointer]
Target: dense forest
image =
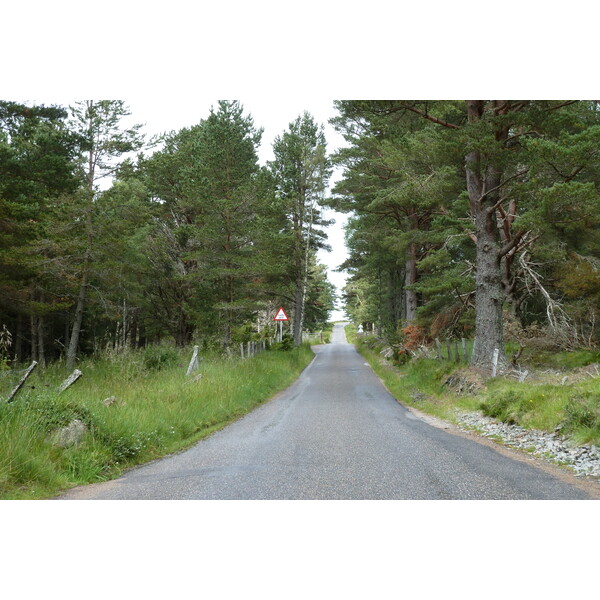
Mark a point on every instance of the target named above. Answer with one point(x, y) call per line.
point(109, 241)
point(476, 219)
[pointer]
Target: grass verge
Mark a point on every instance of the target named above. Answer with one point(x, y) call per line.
point(156, 410)
point(567, 401)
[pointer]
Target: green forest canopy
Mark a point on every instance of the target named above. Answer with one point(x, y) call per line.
point(191, 239)
point(474, 219)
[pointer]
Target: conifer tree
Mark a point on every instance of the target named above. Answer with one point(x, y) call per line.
point(104, 140)
point(301, 169)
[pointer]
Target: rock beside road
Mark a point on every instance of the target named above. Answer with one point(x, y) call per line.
point(70, 435)
point(584, 459)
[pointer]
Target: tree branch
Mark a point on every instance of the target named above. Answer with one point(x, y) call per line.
point(429, 117)
point(567, 103)
point(493, 208)
point(512, 244)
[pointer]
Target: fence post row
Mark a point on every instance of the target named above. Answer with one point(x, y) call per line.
point(441, 357)
point(252, 348)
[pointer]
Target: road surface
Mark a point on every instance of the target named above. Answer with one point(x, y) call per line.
point(336, 433)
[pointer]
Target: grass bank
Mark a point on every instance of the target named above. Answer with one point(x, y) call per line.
point(156, 410)
point(561, 392)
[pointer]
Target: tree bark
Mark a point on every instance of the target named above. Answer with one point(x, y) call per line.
point(133, 335)
point(34, 338)
point(483, 186)
point(409, 279)
point(75, 331)
point(41, 343)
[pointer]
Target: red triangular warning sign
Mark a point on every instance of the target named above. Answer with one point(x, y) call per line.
point(281, 316)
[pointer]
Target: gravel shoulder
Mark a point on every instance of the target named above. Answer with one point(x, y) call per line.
point(576, 465)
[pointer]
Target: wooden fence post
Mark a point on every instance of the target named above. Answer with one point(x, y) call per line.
point(70, 380)
point(448, 349)
point(439, 348)
point(242, 349)
point(456, 354)
point(464, 347)
point(495, 361)
point(194, 362)
point(21, 383)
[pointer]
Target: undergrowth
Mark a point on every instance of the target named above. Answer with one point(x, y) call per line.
point(154, 410)
point(573, 408)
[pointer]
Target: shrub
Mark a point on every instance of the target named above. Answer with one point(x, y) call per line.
point(53, 413)
point(582, 412)
point(287, 343)
point(401, 356)
point(414, 336)
point(159, 357)
point(504, 405)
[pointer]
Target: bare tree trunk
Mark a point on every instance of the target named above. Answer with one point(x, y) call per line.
point(125, 332)
point(133, 334)
point(41, 344)
point(34, 338)
point(298, 312)
point(410, 279)
point(75, 331)
point(483, 189)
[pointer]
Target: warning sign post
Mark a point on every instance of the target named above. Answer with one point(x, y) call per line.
point(281, 316)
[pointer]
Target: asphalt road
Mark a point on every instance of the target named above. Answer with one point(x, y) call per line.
point(336, 433)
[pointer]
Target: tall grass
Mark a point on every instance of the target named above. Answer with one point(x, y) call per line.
point(157, 410)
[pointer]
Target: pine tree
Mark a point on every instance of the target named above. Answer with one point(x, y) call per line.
point(301, 169)
point(99, 125)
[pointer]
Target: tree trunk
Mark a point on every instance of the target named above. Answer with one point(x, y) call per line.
point(298, 312)
point(483, 186)
point(133, 335)
point(395, 301)
point(75, 331)
point(34, 338)
point(410, 279)
point(41, 344)
point(488, 298)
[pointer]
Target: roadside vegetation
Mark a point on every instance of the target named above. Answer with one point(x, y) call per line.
point(135, 407)
point(561, 391)
point(111, 245)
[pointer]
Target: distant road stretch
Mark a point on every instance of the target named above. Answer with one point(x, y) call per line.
point(336, 433)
